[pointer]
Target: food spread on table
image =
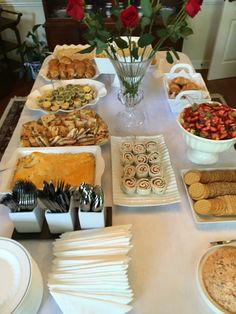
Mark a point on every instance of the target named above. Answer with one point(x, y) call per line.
point(143, 171)
point(213, 191)
point(73, 168)
point(84, 127)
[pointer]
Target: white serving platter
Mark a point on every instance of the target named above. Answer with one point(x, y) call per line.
point(201, 219)
point(7, 175)
point(215, 307)
point(31, 101)
point(171, 194)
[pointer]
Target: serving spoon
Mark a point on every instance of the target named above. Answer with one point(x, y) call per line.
point(221, 242)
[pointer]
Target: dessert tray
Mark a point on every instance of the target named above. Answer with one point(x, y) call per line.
point(98, 88)
point(201, 219)
point(20, 152)
point(213, 305)
point(171, 194)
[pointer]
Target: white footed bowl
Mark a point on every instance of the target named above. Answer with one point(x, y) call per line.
point(201, 150)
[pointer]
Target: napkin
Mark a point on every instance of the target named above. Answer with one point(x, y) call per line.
point(74, 304)
point(90, 271)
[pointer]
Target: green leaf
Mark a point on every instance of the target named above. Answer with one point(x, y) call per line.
point(145, 40)
point(87, 50)
point(145, 21)
point(175, 53)
point(35, 27)
point(146, 7)
point(162, 32)
point(186, 31)
point(165, 17)
point(121, 43)
point(100, 45)
point(169, 57)
point(116, 11)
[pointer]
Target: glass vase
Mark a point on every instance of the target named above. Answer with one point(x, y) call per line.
point(130, 74)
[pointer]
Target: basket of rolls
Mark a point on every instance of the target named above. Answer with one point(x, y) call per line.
point(183, 86)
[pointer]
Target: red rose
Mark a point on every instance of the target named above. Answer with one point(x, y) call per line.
point(129, 17)
point(193, 7)
point(75, 9)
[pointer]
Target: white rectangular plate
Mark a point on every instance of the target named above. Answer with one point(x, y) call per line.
point(171, 194)
point(6, 176)
point(205, 219)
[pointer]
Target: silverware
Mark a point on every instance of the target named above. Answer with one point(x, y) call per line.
point(221, 242)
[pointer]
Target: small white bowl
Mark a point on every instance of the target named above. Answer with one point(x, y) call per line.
point(201, 150)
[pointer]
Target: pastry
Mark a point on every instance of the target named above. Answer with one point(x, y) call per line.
point(154, 157)
point(155, 170)
point(127, 158)
point(140, 158)
point(126, 147)
point(139, 148)
point(151, 146)
point(129, 171)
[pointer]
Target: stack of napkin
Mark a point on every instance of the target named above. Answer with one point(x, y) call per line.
point(89, 271)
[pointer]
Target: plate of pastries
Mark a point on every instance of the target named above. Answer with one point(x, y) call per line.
point(77, 128)
point(67, 68)
point(66, 96)
point(211, 193)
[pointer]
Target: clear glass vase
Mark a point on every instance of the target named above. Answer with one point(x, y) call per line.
point(130, 74)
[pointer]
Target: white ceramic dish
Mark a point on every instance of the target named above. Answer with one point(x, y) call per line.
point(205, 219)
point(44, 69)
point(185, 97)
point(203, 151)
point(8, 174)
point(171, 194)
point(21, 287)
point(216, 308)
point(99, 87)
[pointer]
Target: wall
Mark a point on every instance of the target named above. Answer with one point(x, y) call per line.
point(198, 46)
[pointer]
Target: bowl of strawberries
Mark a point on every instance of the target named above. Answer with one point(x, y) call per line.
point(208, 128)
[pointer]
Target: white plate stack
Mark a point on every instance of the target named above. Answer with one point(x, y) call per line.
point(21, 284)
point(89, 271)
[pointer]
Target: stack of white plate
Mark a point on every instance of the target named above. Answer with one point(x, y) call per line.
point(21, 284)
point(89, 272)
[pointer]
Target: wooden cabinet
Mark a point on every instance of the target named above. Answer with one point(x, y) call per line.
point(61, 29)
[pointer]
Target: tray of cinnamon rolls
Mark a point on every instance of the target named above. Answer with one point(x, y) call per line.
point(183, 86)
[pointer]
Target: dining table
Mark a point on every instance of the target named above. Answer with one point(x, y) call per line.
point(167, 242)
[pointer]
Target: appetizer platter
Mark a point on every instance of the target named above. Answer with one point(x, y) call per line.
point(166, 187)
point(33, 159)
point(216, 278)
point(66, 96)
point(211, 194)
point(77, 128)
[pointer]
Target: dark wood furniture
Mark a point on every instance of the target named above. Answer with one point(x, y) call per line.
point(60, 29)
point(9, 21)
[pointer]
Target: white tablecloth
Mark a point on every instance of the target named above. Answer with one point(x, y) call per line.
point(167, 243)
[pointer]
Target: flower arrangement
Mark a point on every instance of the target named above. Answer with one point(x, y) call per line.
point(129, 21)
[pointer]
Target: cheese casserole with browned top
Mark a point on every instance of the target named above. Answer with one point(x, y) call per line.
point(71, 168)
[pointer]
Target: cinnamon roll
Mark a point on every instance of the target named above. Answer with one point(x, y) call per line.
point(155, 170)
point(129, 171)
point(151, 146)
point(154, 157)
point(140, 159)
point(127, 158)
point(139, 148)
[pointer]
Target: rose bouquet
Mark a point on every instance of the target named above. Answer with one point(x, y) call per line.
point(132, 55)
point(129, 21)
